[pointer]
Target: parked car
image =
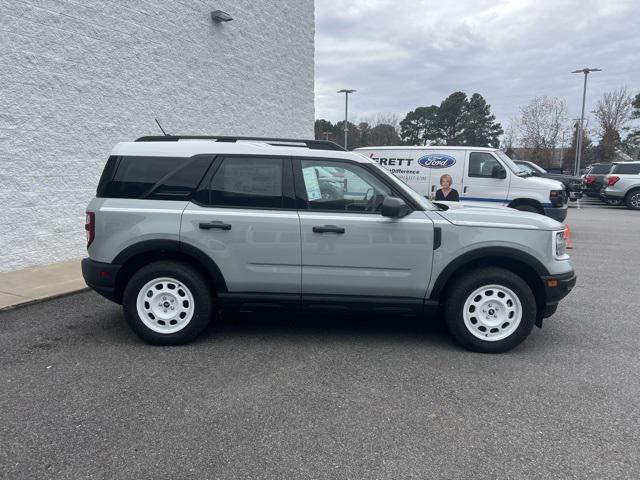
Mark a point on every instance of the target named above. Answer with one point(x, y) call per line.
point(596, 178)
point(623, 185)
point(572, 184)
point(480, 175)
point(182, 227)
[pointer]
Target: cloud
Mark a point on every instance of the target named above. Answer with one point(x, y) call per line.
point(400, 55)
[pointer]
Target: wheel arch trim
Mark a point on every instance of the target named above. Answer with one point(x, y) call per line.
point(163, 246)
point(467, 258)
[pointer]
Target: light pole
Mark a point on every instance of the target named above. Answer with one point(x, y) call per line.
point(346, 113)
point(586, 72)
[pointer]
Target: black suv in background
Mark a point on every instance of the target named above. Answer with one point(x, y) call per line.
point(572, 184)
point(596, 179)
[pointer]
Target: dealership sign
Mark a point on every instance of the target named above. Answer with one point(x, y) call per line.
point(437, 161)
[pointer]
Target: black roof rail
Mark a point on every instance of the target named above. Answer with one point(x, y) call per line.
point(281, 142)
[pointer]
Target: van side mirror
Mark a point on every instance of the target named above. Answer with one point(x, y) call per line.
point(499, 172)
point(394, 207)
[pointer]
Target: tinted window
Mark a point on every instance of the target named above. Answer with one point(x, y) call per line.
point(248, 182)
point(629, 169)
point(159, 178)
point(339, 186)
point(600, 169)
point(483, 165)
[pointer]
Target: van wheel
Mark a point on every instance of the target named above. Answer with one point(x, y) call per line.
point(527, 208)
point(491, 310)
point(632, 200)
point(167, 303)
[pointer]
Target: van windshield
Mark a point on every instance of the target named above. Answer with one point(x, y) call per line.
point(510, 163)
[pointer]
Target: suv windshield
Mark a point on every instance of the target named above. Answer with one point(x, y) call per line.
point(510, 163)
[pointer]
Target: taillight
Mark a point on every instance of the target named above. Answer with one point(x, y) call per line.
point(590, 179)
point(90, 227)
point(611, 181)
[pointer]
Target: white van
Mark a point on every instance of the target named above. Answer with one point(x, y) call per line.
point(480, 175)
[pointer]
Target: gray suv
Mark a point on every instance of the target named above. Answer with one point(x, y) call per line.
point(184, 227)
point(623, 184)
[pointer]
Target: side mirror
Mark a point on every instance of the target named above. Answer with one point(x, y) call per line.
point(394, 207)
point(502, 174)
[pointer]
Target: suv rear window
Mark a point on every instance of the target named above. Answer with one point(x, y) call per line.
point(157, 178)
point(600, 169)
point(629, 168)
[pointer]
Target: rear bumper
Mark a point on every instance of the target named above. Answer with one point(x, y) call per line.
point(557, 213)
point(101, 277)
point(556, 288)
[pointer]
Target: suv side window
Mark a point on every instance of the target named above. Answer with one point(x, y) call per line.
point(249, 182)
point(155, 178)
point(627, 169)
point(482, 164)
point(341, 187)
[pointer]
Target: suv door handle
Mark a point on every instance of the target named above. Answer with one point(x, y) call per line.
point(464, 190)
point(216, 224)
point(328, 229)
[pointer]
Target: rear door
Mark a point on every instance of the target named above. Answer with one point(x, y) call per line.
point(244, 218)
point(481, 179)
point(348, 247)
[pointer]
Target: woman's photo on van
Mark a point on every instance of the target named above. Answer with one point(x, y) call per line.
point(446, 193)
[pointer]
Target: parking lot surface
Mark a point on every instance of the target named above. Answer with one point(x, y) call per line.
point(258, 397)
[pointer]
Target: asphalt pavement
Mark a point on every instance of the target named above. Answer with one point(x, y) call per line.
point(274, 398)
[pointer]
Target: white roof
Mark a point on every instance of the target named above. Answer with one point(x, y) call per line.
point(189, 147)
point(429, 147)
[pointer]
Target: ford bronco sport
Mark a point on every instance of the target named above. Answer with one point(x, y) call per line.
point(184, 227)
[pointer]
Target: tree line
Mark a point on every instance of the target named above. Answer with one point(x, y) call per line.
point(542, 131)
point(458, 120)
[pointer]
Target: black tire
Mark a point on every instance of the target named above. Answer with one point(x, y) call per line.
point(527, 208)
point(469, 283)
point(198, 287)
point(632, 199)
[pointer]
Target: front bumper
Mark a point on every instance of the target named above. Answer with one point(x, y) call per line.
point(557, 213)
point(101, 277)
point(556, 288)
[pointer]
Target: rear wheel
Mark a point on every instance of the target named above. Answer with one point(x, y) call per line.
point(632, 199)
point(491, 310)
point(167, 303)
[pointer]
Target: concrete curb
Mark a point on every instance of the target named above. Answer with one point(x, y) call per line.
point(33, 301)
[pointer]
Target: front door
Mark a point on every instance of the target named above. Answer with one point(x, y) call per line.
point(482, 182)
point(348, 247)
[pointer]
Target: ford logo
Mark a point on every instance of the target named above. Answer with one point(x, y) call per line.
point(436, 161)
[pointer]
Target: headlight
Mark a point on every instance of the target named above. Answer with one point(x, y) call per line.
point(559, 245)
point(556, 197)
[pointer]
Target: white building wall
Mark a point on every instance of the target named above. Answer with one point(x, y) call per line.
point(79, 76)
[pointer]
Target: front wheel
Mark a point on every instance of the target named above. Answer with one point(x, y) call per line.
point(167, 303)
point(491, 310)
point(527, 208)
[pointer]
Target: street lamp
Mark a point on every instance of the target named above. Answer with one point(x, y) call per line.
point(586, 72)
point(346, 112)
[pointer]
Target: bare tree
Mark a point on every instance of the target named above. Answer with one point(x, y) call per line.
point(612, 113)
point(541, 125)
point(510, 137)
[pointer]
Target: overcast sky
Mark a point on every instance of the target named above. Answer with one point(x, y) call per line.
point(407, 53)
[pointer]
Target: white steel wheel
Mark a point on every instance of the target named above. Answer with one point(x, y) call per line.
point(492, 313)
point(165, 305)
